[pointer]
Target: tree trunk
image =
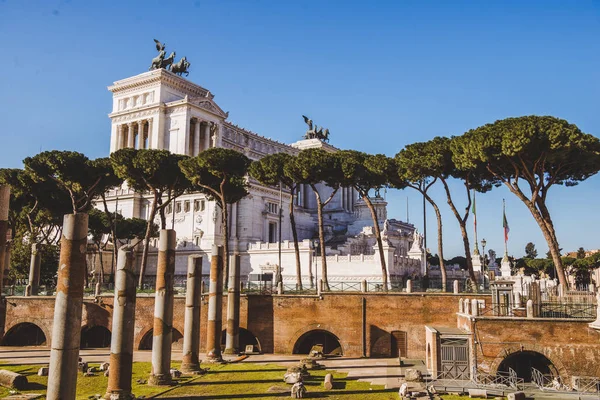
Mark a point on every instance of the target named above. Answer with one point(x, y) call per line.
point(101, 266)
point(113, 232)
point(295, 237)
point(149, 224)
point(463, 231)
point(440, 241)
point(321, 239)
point(225, 222)
point(369, 204)
point(549, 234)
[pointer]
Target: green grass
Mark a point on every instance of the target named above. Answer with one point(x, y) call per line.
point(227, 381)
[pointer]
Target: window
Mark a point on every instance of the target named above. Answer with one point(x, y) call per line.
point(272, 232)
point(178, 207)
point(272, 208)
point(186, 206)
point(199, 205)
point(169, 208)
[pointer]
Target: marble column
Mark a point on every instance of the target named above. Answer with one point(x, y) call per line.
point(191, 329)
point(140, 135)
point(206, 136)
point(232, 338)
point(215, 306)
point(123, 328)
point(130, 135)
point(66, 328)
point(120, 137)
point(163, 310)
point(150, 133)
point(196, 138)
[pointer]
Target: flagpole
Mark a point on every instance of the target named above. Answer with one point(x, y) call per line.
point(476, 252)
point(504, 226)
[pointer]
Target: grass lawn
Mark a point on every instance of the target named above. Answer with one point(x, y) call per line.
point(227, 381)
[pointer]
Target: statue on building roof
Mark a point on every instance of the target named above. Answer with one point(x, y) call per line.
point(181, 67)
point(161, 61)
point(314, 132)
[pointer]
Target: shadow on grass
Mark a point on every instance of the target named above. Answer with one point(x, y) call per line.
point(234, 371)
point(35, 386)
point(310, 394)
point(202, 383)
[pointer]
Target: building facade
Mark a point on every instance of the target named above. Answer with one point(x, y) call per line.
point(160, 110)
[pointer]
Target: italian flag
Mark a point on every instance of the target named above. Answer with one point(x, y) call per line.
point(505, 225)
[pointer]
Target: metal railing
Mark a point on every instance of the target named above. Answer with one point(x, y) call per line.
point(568, 310)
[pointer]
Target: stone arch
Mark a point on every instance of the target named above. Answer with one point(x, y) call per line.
point(510, 350)
point(319, 335)
point(25, 334)
point(95, 336)
point(144, 341)
point(35, 321)
point(312, 327)
point(246, 338)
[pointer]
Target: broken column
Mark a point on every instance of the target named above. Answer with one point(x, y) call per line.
point(4, 206)
point(455, 287)
point(232, 338)
point(66, 328)
point(215, 304)
point(191, 330)
point(163, 310)
point(123, 328)
point(34, 268)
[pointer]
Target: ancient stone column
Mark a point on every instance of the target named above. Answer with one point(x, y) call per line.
point(455, 287)
point(34, 269)
point(130, 135)
point(66, 328)
point(529, 309)
point(474, 307)
point(408, 286)
point(363, 286)
point(215, 306)
point(191, 329)
point(4, 206)
point(232, 338)
point(123, 328)
point(163, 310)
point(206, 136)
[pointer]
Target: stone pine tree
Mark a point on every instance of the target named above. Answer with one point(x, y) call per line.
point(109, 182)
point(364, 173)
point(420, 166)
point(314, 166)
point(156, 172)
point(220, 174)
point(270, 170)
point(530, 251)
point(35, 218)
point(530, 155)
point(72, 173)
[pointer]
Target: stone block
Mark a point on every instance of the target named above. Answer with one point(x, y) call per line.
point(43, 371)
point(516, 396)
point(413, 375)
point(477, 393)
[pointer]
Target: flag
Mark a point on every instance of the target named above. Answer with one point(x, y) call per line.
point(505, 225)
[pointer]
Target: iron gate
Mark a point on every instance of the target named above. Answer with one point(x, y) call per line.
point(455, 358)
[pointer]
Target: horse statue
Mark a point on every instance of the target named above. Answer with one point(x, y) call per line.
point(165, 64)
point(181, 67)
point(157, 61)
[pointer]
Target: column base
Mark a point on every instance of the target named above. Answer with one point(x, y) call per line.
point(160, 380)
point(189, 368)
point(231, 351)
point(119, 395)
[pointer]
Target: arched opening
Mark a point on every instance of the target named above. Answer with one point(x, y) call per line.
point(146, 342)
point(24, 334)
point(94, 337)
point(522, 362)
point(331, 344)
point(246, 338)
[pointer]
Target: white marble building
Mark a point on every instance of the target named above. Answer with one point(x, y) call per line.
point(160, 110)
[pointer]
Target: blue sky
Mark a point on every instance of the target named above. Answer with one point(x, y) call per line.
point(378, 74)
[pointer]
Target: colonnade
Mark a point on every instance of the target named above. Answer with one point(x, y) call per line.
point(200, 137)
point(135, 135)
